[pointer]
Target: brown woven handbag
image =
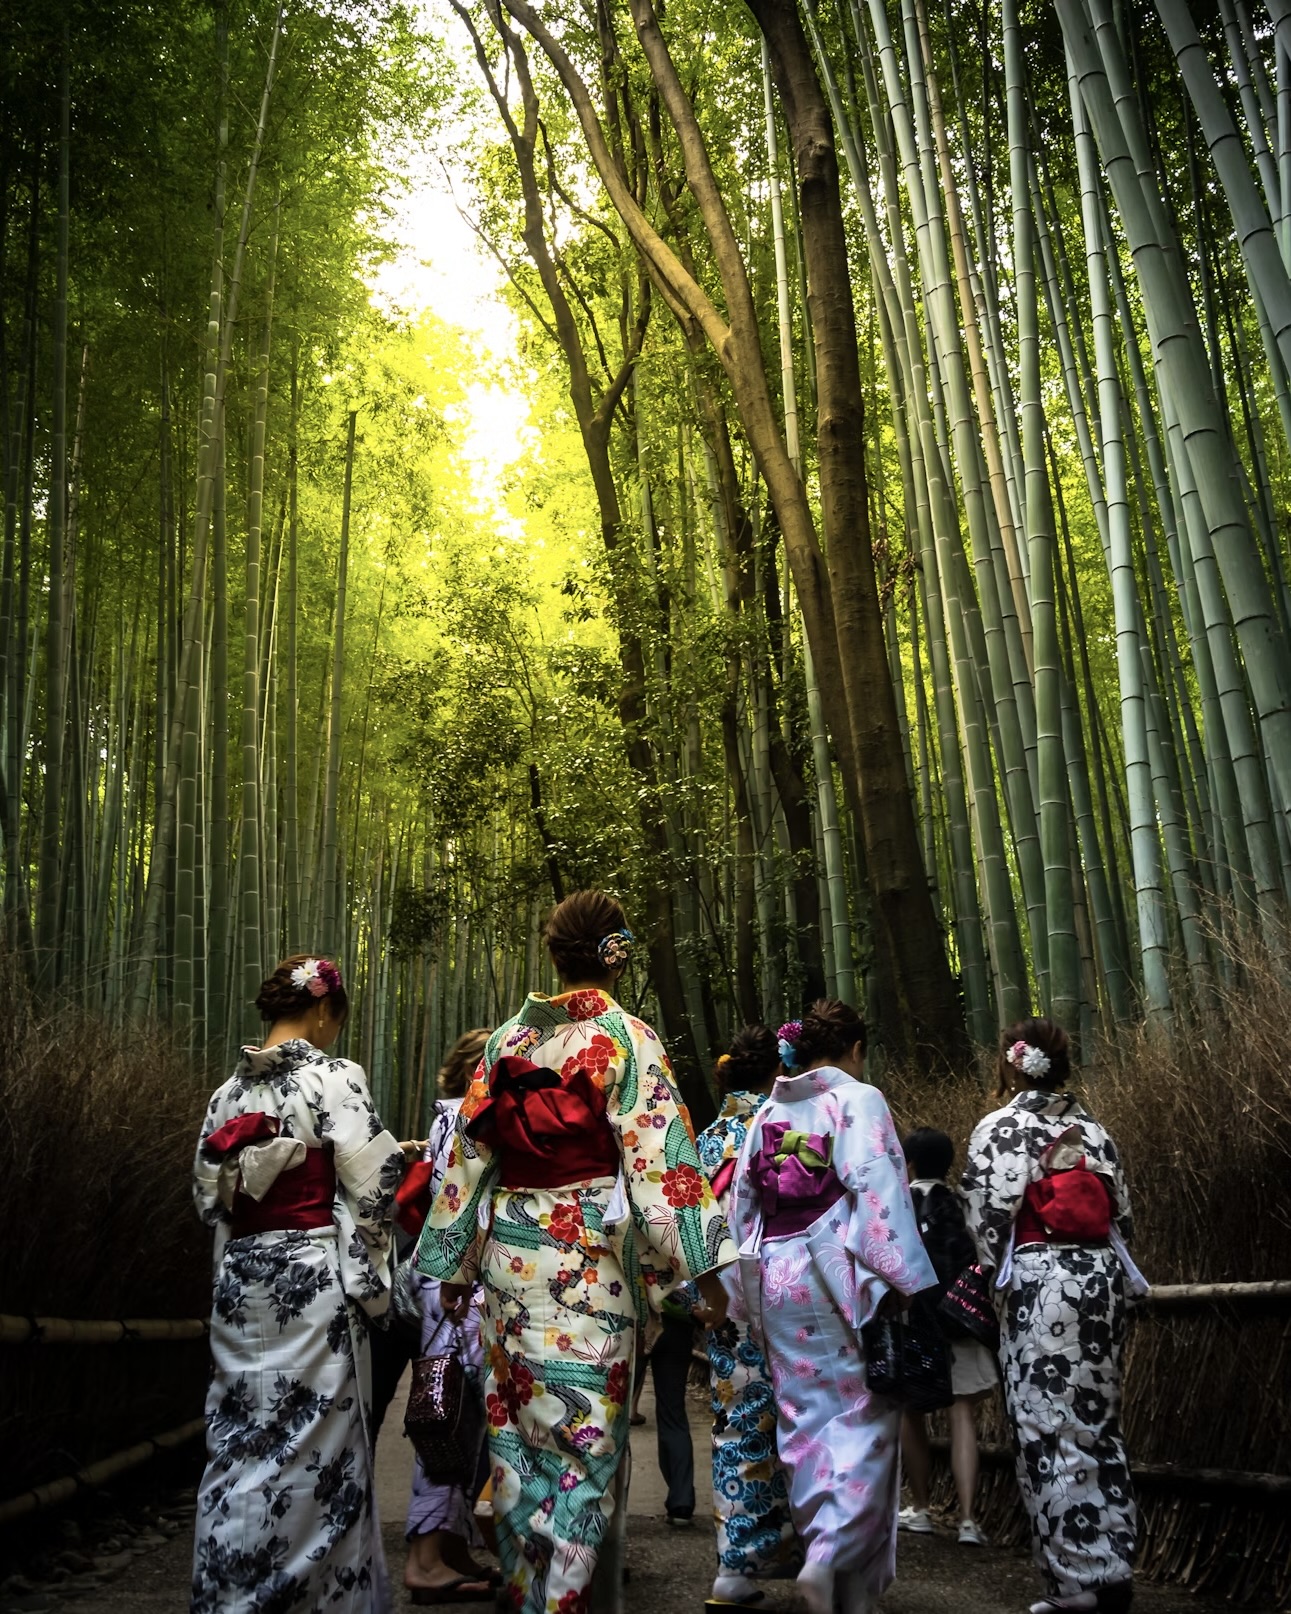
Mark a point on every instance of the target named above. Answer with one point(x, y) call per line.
point(445, 1418)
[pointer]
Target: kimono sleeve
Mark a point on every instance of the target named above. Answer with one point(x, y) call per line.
point(449, 1248)
point(369, 1164)
point(994, 1180)
point(206, 1173)
point(745, 1207)
point(884, 1232)
point(680, 1230)
point(1109, 1163)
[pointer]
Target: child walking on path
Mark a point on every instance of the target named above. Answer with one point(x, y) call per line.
point(973, 1373)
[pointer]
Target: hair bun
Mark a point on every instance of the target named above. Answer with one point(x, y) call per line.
point(579, 927)
point(829, 1029)
point(752, 1058)
point(1036, 1052)
point(297, 984)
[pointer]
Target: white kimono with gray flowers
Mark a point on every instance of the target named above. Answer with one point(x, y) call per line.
point(1062, 1331)
point(286, 1517)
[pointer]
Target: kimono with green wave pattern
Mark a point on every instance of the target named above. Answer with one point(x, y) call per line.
point(567, 1274)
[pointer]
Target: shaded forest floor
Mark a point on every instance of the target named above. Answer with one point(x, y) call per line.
point(148, 1570)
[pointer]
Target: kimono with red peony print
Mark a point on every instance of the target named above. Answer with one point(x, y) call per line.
point(566, 1271)
point(825, 1227)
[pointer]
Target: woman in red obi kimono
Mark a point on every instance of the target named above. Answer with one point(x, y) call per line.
point(573, 1189)
point(1048, 1207)
point(296, 1175)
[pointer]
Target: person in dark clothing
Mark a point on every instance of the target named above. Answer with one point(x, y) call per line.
point(973, 1372)
point(670, 1369)
point(395, 1345)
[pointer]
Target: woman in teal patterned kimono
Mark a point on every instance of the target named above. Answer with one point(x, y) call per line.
point(755, 1534)
point(572, 1188)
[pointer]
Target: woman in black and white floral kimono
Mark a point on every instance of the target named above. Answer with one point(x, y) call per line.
point(1047, 1206)
point(296, 1175)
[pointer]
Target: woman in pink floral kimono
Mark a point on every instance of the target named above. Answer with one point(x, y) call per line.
point(826, 1233)
point(572, 1188)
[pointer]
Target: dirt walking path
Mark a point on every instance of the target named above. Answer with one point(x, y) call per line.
point(671, 1569)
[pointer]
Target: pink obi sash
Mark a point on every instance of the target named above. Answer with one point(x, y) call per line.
point(795, 1180)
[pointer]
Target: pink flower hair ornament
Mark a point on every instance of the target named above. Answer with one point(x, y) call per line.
point(317, 976)
point(787, 1037)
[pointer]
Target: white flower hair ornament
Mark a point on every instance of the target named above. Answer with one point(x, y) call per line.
point(317, 976)
point(1027, 1058)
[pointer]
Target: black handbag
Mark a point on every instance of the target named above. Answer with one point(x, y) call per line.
point(967, 1308)
point(907, 1361)
point(445, 1418)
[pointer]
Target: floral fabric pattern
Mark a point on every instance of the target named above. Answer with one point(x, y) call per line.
point(809, 1296)
point(434, 1505)
point(564, 1271)
point(722, 1141)
point(755, 1534)
point(1062, 1333)
point(286, 1518)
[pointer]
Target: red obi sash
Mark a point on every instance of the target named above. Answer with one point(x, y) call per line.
point(300, 1198)
point(548, 1130)
point(1066, 1207)
point(723, 1177)
point(412, 1197)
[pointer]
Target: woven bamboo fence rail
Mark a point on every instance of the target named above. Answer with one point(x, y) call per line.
point(1270, 1299)
point(96, 1474)
point(99, 1331)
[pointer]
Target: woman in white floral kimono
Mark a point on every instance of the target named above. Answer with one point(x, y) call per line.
point(573, 1188)
point(1047, 1206)
point(827, 1234)
point(755, 1535)
point(296, 1175)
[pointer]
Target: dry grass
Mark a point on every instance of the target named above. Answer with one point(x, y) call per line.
point(97, 1129)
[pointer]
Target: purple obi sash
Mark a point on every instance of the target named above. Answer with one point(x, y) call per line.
point(795, 1179)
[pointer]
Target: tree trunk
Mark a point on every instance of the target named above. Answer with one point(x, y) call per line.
point(908, 922)
point(595, 418)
